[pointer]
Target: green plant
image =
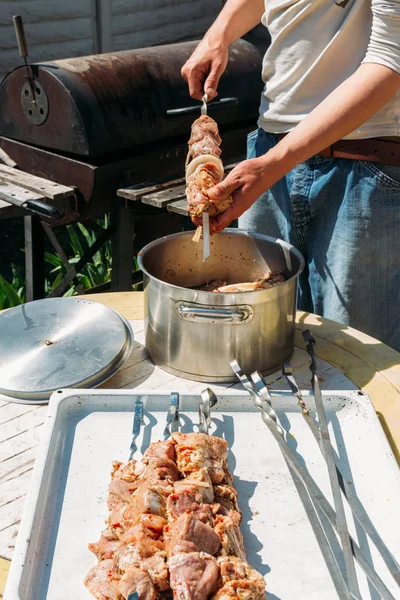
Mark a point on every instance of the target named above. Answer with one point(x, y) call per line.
point(95, 273)
point(11, 294)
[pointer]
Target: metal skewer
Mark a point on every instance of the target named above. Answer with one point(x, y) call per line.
point(172, 422)
point(341, 522)
point(260, 393)
point(255, 385)
point(137, 423)
point(206, 216)
point(364, 521)
point(208, 400)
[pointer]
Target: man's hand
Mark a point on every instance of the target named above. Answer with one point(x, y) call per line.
point(204, 68)
point(246, 182)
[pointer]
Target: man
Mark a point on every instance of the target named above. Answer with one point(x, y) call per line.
point(332, 71)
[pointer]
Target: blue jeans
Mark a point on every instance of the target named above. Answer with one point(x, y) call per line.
point(344, 216)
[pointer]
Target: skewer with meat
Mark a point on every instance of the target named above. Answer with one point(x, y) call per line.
point(173, 528)
point(194, 569)
point(131, 550)
point(204, 170)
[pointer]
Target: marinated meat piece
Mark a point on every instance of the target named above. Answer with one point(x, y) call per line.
point(106, 546)
point(228, 478)
point(211, 286)
point(207, 145)
point(227, 527)
point(126, 471)
point(193, 575)
point(155, 565)
point(205, 177)
point(188, 528)
point(154, 522)
point(198, 450)
point(137, 580)
point(274, 277)
point(124, 482)
point(145, 500)
point(188, 501)
point(198, 482)
point(203, 126)
point(185, 500)
point(226, 496)
point(146, 541)
point(269, 281)
point(115, 520)
point(240, 581)
point(120, 493)
point(163, 449)
point(102, 581)
point(219, 285)
point(150, 497)
point(160, 468)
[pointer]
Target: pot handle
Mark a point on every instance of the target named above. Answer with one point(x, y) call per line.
point(196, 313)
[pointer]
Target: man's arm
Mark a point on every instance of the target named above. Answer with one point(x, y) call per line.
point(343, 111)
point(204, 68)
point(350, 105)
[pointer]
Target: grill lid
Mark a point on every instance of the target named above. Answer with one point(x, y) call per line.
point(103, 104)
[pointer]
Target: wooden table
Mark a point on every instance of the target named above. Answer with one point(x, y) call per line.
point(347, 359)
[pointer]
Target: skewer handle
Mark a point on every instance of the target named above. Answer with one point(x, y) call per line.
point(137, 423)
point(208, 400)
point(172, 422)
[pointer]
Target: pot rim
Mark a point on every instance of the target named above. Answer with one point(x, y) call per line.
point(227, 231)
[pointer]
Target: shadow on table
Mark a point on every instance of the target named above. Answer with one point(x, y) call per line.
point(134, 371)
point(359, 356)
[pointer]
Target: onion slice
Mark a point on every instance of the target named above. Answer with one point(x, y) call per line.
point(202, 160)
point(197, 236)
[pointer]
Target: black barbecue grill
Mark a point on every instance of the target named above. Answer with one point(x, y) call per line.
point(97, 124)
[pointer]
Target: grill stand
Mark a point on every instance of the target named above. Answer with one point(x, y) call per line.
point(34, 258)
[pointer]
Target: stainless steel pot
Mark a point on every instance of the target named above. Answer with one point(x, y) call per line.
point(194, 334)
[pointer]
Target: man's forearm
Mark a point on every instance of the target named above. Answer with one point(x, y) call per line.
point(343, 111)
point(235, 19)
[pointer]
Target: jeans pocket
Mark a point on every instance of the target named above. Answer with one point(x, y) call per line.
point(252, 134)
point(388, 174)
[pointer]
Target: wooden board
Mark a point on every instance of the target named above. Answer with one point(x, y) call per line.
point(19, 193)
point(136, 193)
point(180, 208)
point(39, 185)
point(162, 198)
point(154, 194)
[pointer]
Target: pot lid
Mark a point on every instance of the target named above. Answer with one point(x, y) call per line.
point(57, 343)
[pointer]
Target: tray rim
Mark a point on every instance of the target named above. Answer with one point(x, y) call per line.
point(17, 567)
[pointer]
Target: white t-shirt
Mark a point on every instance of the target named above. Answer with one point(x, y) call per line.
point(315, 46)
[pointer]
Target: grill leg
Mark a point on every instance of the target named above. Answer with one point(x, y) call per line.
point(34, 259)
point(122, 248)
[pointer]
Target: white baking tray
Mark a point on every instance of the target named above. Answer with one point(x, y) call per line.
point(87, 430)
